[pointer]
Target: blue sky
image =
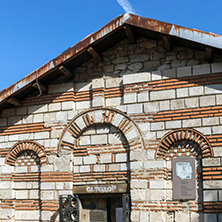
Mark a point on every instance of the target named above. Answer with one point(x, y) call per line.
point(35, 31)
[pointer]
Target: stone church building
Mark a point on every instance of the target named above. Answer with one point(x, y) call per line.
point(126, 125)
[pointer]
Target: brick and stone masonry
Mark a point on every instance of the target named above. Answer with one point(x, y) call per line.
point(109, 126)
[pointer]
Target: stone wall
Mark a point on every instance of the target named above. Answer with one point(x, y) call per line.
point(106, 127)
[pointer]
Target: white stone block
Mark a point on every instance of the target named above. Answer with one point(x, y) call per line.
point(117, 120)
point(130, 97)
point(61, 116)
point(124, 167)
point(191, 122)
point(174, 124)
point(115, 138)
point(98, 139)
point(135, 109)
point(157, 195)
point(184, 71)
point(6, 184)
point(84, 140)
point(15, 120)
point(157, 184)
point(210, 218)
point(138, 194)
point(54, 107)
point(150, 154)
point(136, 78)
point(59, 185)
point(7, 169)
point(144, 216)
point(177, 104)
point(68, 185)
point(105, 158)
point(143, 96)
point(38, 109)
point(207, 101)
point(157, 126)
point(37, 118)
point(201, 69)
point(91, 159)
point(98, 101)
point(114, 167)
point(204, 130)
point(210, 195)
point(164, 105)
point(196, 91)
point(113, 82)
point(211, 162)
point(191, 103)
point(149, 164)
point(59, 88)
point(156, 75)
point(34, 194)
point(77, 160)
point(151, 107)
point(137, 155)
point(182, 92)
point(27, 215)
point(158, 217)
point(84, 86)
point(102, 130)
point(162, 95)
point(62, 163)
point(41, 135)
point(47, 195)
point(131, 135)
point(2, 121)
point(121, 157)
point(47, 168)
point(8, 112)
point(21, 194)
point(46, 215)
point(83, 104)
point(209, 121)
point(169, 73)
point(113, 101)
point(80, 123)
point(99, 168)
point(21, 169)
point(47, 186)
point(69, 105)
point(84, 169)
point(216, 67)
point(136, 165)
point(213, 89)
point(98, 83)
point(138, 184)
point(49, 117)
point(180, 216)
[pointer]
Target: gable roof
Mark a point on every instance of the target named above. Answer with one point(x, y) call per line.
point(124, 26)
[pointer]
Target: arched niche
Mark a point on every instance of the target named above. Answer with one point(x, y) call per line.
point(188, 141)
point(100, 116)
point(22, 147)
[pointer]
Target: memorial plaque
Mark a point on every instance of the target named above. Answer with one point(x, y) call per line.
point(184, 178)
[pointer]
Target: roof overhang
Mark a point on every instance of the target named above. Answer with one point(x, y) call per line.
point(107, 36)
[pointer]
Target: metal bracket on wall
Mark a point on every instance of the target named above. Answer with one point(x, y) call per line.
point(68, 208)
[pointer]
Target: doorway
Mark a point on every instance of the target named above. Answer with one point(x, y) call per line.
point(101, 208)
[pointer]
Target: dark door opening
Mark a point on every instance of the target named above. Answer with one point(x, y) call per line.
point(102, 208)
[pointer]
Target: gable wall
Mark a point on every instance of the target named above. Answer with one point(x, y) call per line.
point(159, 91)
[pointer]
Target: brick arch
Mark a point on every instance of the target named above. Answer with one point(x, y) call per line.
point(22, 146)
point(100, 116)
point(188, 135)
